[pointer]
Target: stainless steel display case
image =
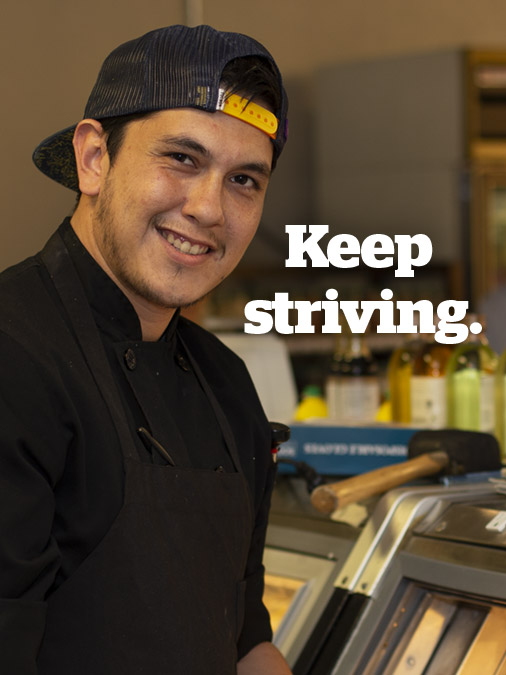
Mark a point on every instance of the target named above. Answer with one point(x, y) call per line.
point(439, 606)
point(419, 588)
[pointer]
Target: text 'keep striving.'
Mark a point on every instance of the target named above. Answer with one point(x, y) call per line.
point(345, 251)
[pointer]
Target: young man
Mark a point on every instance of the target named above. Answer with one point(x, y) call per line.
point(134, 455)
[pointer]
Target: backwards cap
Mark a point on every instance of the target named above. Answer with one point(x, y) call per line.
point(173, 67)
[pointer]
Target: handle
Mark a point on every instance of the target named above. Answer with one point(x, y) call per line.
point(329, 497)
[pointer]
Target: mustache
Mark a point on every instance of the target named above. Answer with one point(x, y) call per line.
point(162, 222)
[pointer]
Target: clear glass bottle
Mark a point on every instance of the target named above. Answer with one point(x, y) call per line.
point(470, 377)
point(332, 382)
point(399, 372)
point(428, 385)
point(355, 386)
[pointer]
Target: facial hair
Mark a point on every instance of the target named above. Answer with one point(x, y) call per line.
point(117, 258)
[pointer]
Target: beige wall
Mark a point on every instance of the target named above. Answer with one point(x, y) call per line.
point(51, 49)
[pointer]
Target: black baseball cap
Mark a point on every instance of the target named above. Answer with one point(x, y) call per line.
point(172, 67)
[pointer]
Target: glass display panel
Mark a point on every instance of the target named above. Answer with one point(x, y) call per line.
point(429, 632)
point(279, 593)
point(297, 589)
point(488, 651)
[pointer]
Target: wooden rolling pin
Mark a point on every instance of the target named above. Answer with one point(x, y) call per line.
point(449, 451)
point(332, 496)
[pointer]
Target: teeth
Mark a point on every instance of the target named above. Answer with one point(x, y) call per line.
point(186, 246)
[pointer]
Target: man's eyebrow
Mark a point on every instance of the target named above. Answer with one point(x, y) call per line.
point(188, 143)
point(258, 167)
point(185, 143)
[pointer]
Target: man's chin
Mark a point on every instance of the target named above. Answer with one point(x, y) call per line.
point(175, 302)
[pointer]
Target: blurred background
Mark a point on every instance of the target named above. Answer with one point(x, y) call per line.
point(397, 125)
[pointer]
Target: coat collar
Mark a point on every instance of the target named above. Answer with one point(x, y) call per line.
point(113, 311)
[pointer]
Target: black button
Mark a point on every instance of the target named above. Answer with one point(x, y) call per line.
point(130, 360)
point(219, 469)
point(182, 362)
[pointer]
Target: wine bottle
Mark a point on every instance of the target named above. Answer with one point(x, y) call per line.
point(470, 383)
point(353, 396)
point(399, 372)
point(428, 384)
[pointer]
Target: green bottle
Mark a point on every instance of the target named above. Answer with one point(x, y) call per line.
point(500, 404)
point(470, 379)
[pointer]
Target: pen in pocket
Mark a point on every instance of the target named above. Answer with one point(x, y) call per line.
point(152, 444)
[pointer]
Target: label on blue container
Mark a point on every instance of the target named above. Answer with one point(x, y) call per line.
point(344, 450)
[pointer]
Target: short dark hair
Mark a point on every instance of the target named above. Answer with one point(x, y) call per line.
point(253, 77)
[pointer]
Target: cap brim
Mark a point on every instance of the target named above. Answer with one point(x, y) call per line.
point(55, 158)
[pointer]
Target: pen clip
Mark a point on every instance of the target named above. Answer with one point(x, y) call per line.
point(152, 443)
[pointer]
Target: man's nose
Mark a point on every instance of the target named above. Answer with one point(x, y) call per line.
point(204, 200)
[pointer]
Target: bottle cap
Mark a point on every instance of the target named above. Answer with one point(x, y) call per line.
point(312, 390)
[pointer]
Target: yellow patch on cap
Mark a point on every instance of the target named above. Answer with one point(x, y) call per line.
point(250, 112)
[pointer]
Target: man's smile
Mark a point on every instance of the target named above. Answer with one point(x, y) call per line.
point(183, 244)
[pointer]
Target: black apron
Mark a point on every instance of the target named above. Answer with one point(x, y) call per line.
point(163, 592)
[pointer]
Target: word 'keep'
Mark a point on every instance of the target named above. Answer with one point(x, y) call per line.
point(345, 250)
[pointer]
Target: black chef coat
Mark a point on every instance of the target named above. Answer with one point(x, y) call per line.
point(61, 471)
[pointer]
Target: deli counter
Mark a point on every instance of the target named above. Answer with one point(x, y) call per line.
point(416, 584)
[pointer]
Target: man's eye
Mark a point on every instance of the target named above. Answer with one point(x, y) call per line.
point(180, 157)
point(247, 181)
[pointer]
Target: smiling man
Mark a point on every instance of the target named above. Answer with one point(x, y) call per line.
point(174, 213)
point(135, 462)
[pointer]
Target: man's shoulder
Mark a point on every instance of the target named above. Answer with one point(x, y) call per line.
point(27, 305)
point(20, 283)
point(12, 274)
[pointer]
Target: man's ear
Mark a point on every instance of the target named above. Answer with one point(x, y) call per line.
point(91, 155)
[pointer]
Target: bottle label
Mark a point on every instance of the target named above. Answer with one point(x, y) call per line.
point(333, 398)
point(428, 402)
point(359, 399)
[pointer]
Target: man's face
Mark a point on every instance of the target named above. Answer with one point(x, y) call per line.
point(180, 204)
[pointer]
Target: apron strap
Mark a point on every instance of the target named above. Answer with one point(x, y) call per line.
point(217, 409)
point(56, 259)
